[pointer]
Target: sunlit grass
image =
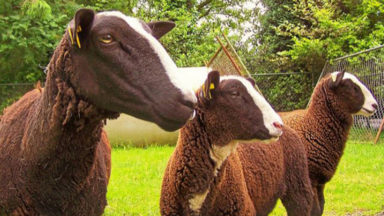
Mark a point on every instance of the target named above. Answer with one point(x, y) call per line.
point(356, 189)
point(358, 186)
point(135, 183)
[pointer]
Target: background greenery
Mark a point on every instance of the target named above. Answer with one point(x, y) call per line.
point(272, 36)
point(356, 189)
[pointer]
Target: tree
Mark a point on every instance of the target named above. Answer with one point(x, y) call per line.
point(333, 28)
point(300, 36)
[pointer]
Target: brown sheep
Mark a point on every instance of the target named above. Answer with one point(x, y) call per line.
point(204, 174)
point(277, 170)
point(54, 154)
point(324, 126)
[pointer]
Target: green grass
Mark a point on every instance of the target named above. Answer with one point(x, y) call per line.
point(356, 189)
point(135, 183)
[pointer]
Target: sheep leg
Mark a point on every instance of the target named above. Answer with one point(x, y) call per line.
point(317, 206)
point(298, 198)
point(320, 196)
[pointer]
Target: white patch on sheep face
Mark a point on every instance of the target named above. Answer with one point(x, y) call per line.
point(197, 201)
point(269, 114)
point(167, 62)
point(367, 109)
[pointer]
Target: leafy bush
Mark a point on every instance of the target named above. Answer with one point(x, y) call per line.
point(27, 42)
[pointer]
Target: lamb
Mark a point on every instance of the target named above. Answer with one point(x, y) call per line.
point(324, 126)
point(54, 154)
point(204, 174)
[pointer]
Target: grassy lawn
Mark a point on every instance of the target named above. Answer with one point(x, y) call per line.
point(356, 189)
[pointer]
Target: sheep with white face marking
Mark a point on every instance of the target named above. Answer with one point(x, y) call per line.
point(204, 175)
point(54, 154)
point(324, 126)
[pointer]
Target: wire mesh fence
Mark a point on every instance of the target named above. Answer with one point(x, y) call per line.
point(368, 66)
point(285, 91)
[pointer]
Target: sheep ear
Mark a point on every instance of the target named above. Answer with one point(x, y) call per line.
point(336, 79)
point(210, 86)
point(251, 80)
point(160, 28)
point(80, 26)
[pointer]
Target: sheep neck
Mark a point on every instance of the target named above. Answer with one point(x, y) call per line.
point(326, 131)
point(203, 160)
point(65, 131)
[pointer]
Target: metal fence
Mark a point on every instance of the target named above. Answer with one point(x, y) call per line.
point(285, 91)
point(368, 65)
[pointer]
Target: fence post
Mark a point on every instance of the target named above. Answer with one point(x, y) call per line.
point(379, 131)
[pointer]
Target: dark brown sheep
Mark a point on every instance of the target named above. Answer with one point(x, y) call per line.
point(277, 170)
point(324, 126)
point(204, 176)
point(54, 154)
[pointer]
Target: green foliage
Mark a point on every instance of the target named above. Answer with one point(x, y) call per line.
point(300, 36)
point(26, 46)
point(332, 29)
point(192, 42)
point(37, 9)
point(28, 39)
point(189, 43)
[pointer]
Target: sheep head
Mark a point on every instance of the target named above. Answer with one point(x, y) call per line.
point(351, 94)
point(232, 107)
point(119, 65)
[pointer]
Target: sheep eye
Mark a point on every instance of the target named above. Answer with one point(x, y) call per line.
point(355, 88)
point(106, 39)
point(235, 94)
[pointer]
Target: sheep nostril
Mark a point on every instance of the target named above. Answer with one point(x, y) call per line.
point(277, 125)
point(374, 106)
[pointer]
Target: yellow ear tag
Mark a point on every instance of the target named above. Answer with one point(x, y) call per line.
point(204, 90)
point(212, 86)
point(77, 36)
point(70, 35)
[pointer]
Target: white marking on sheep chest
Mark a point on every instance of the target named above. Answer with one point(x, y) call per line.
point(368, 97)
point(197, 201)
point(168, 64)
point(220, 153)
